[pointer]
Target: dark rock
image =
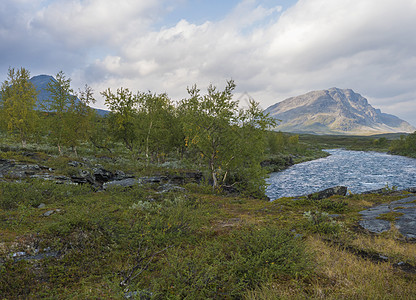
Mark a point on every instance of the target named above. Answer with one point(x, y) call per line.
point(154, 179)
point(411, 190)
point(83, 177)
point(75, 164)
point(119, 175)
point(102, 175)
point(127, 182)
point(337, 190)
point(186, 177)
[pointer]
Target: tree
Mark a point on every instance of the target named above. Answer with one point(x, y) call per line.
point(58, 105)
point(157, 124)
point(78, 118)
point(227, 138)
point(18, 102)
point(123, 107)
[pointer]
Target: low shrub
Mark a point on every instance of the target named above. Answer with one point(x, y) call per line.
point(35, 192)
point(322, 223)
point(230, 265)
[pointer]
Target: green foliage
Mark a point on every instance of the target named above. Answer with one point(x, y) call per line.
point(322, 223)
point(68, 118)
point(160, 130)
point(332, 205)
point(35, 192)
point(230, 265)
point(406, 145)
point(123, 106)
point(17, 104)
point(230, 141)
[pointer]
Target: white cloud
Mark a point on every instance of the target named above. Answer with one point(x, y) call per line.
point(366, 45)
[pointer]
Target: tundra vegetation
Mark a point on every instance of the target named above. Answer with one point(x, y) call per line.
point(219, 238)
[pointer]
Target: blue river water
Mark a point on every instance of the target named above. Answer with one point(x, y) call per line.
point(358, 170)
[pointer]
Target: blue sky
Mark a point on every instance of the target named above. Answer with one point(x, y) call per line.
point(272, 49)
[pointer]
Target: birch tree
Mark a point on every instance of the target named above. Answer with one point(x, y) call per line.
point(18, 102)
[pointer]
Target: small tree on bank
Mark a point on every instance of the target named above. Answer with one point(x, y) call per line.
point(228, 139)
point(18, 102)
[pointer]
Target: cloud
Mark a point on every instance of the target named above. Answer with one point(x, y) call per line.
point(366, 45)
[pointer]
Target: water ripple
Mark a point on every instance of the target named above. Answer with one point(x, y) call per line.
point(358, 170)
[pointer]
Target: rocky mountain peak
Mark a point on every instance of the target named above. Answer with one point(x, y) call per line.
point(334, 111)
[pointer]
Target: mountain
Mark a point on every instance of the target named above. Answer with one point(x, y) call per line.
point(41, 83)
point(334, 111)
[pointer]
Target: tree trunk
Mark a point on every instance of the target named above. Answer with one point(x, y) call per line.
point(214, 177)
point(147, 141)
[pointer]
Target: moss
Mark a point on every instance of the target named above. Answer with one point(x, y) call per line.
point(390, 216)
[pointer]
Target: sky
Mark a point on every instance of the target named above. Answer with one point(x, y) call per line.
point(271, 49)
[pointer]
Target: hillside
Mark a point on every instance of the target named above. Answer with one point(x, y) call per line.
point(41, 83)
point(334, 111)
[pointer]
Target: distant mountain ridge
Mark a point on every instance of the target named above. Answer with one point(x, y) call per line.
point(41, 83)
point(334, 111)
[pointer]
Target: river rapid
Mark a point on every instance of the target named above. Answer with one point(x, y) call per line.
point(358, 170)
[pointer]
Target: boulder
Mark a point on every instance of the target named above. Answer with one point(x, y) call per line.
point(411, 190)
point(337, 190)
point(83, 177)
point(102, 175)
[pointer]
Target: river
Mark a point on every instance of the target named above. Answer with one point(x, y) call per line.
point(358, 170)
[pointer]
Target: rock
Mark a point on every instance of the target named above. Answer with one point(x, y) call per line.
point(375, 225)
point(48, 213)
point(154, 179)
point(83, 177)
point(337, 190)
point(411, 190)
point(75, 164)
point(42, 205)
point(168, 187)
point(186, 177)
point(127, 182)
point(18, 254)
point(406, 223)
point(119, 175)
point(102, 175)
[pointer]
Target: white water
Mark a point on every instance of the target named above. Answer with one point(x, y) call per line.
point(358, 170)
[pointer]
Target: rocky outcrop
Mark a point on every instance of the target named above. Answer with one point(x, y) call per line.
point(337, 190)
point(96, 176)
point(334, 111)
point(400, 213)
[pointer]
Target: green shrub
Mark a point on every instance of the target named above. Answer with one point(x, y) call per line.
point(226, 267)
point(35, 192)
point(321, 222)
point(331, 205)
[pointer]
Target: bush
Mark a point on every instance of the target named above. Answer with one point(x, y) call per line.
point(336, 206)
point(228, 266)
point(35, 192)
point(321, 222)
